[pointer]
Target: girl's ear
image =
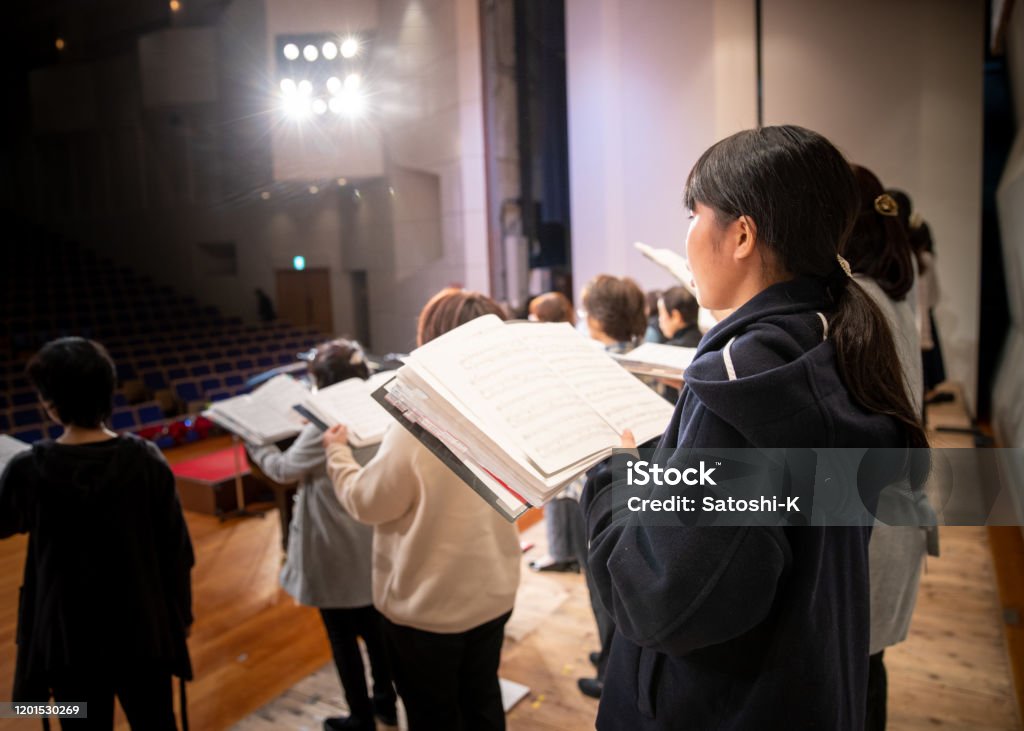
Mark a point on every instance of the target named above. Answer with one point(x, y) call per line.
point(744, 232)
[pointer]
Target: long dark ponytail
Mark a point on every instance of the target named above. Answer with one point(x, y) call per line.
point(802, 196)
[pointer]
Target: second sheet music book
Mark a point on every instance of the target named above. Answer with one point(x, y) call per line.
point(518, 410)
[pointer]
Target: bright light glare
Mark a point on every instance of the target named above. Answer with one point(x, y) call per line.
point(291, 52)
point(319, 106)
point(330, 51)
point(297, 106)
point(310, 53)
point(352, 82)
point(349, 47)
point(305, 87)
point(349, 103)
point(288, 86)
point(334, 84)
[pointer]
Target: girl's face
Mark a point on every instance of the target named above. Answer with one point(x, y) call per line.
point(709, 261)
point(669, 322)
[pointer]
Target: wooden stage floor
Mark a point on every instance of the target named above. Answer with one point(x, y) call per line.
point(251, 642)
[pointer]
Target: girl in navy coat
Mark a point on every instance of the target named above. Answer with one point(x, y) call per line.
point(755, 627)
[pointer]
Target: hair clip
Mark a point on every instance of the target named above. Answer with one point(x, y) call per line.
point(886, 205)
point(844, 265)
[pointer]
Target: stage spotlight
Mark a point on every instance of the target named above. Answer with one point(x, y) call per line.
point(349, 47)
point(291, 51)
point(342, 182)
point(297, 106)
point(329, 50)
point(59, 43)
point(313, 190)
point(265, 195)
point(288, 86)
point(306, 86)
point(310, 53)
point(299, 263)
point(334, 84)
point(352, 82)
point(319, 106)
point(175, 5)
point(352, 102)
point(336, 105)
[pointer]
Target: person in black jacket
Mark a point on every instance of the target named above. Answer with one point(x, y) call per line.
point(757, 627)
point(105, 607)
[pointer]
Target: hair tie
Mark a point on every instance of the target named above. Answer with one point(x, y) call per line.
point(887, 205)
point(839, 277)
point(844, 265)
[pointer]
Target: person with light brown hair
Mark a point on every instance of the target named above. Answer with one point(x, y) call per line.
point(445, 564)
point(552, 307)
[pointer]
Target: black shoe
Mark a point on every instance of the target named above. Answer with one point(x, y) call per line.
point(348, 723)
point(590, 687)
point(595, 659)
point(560, 566)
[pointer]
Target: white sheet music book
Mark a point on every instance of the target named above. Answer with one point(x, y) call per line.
point(657, 359)
point(265, 415)
point(350, 403)
point(9, 448)
point(533, 405)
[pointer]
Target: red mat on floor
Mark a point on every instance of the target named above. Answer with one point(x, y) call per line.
point(214, 467)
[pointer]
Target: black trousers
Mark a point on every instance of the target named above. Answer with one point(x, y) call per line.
point(878, 690)
point(449, 682)
point(604, 619)
point(146, 696)
point(343, 626)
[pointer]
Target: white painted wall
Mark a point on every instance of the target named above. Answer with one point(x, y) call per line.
point(1008, 393)
point(898, 87)
point(646, 95)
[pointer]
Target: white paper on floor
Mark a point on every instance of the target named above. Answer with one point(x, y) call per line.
point(511, 693)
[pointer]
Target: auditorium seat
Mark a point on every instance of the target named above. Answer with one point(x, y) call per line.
point(23, 398)
point(150, 413)
point(187, 390)
point(123, 420)
point(26, 416)
point(154, 380)
point(31, 436)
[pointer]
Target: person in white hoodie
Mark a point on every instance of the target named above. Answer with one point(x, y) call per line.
point(882, 262)
point(445, 563)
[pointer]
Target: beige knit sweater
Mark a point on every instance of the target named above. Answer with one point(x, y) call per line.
point(443, 559)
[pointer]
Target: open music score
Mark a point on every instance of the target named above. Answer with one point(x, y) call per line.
point(524, 407)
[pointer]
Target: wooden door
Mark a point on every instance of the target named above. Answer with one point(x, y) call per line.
point(304, 298)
